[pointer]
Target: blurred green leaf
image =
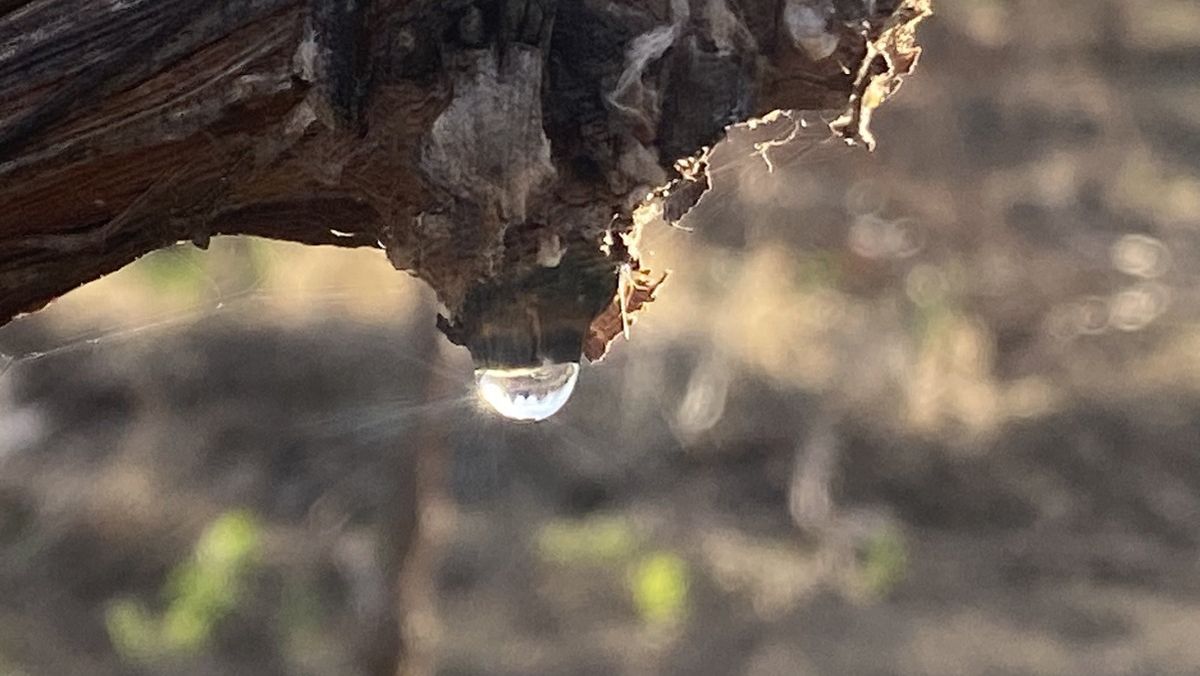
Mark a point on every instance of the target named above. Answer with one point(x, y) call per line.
point(197, 595)
point(133, 631)
point(659, 585)
point(884, 562)
point(595, 540)
point(228, 542)
point(178, 270)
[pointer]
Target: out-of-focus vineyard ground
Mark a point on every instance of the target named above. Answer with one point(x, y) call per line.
point(934, 410)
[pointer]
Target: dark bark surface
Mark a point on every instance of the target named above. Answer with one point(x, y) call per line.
point(477, 141)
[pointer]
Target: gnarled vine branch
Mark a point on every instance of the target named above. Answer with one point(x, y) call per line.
point(493, 148)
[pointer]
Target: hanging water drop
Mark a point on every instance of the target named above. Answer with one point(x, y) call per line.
point(527, 394)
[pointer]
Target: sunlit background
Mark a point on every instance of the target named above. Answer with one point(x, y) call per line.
point(934, 410)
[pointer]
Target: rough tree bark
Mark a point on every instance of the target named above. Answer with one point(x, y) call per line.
point(497, 149)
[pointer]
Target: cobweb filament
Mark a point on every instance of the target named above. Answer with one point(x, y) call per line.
point(101, 337)
point(785, 146)
point(273, 293)
point(383, 419)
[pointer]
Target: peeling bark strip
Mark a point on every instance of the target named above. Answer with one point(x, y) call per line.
point(491, 147)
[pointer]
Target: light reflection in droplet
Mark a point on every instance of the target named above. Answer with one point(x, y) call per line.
point(527, 394)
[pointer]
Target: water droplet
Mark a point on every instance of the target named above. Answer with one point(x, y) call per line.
point(527, 394)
